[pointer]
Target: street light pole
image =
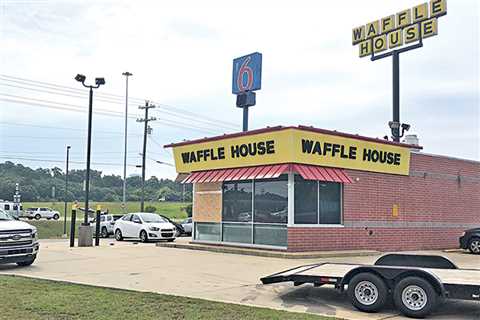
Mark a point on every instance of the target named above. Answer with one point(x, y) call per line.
point(89, 148)
point(66, 189)
point(124, 204)
point(85, 236)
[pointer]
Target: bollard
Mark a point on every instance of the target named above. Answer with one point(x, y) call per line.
point(72, 227)
point(97, 228)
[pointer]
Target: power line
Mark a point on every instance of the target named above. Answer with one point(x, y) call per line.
point(61, 128)
point(159, 145)
point(116, 98)
point(61, 153)
point(52, 138)
point(62, 161)
point(174, 114)
point(75, 108)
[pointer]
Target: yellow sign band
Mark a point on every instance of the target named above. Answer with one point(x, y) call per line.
point(292, 145)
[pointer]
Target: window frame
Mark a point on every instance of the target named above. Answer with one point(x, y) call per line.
point(318, 225)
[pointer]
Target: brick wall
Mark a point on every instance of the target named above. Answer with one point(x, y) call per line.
point(437, 201)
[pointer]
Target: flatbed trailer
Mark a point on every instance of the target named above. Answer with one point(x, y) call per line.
point(418, 283)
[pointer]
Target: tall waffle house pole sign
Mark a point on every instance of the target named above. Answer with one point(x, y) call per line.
point(394, 34)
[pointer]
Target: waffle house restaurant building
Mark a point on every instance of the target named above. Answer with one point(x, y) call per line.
point(307, 189)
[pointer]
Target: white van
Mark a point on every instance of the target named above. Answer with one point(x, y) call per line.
point(12, 208)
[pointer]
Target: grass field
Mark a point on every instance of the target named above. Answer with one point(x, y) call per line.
point(170, 209)
point(51, 229)
point(36, 299)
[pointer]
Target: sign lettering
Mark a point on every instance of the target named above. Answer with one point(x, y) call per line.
point(292, 145)
point(394, 31)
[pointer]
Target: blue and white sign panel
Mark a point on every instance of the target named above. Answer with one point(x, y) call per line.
point(247, 73)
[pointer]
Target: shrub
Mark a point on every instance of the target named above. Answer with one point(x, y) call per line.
point(150, 209)
point(188, 210)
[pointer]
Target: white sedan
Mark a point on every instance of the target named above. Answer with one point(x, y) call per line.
point(144, 226)
point(187, 226)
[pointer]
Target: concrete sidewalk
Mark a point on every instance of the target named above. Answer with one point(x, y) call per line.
point(182, 243)
point(213, 276)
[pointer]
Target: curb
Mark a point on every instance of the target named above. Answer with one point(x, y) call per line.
point(271, 254)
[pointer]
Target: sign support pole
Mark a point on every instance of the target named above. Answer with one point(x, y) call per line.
point(245, 119)
point(396, 94)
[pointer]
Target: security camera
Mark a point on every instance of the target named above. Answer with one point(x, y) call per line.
point(405, 126)
point(394, 124)
point(80, 78)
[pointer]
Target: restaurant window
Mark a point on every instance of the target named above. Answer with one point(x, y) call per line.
point(271, 200)
point(329, 204)
point(317, 202)
point(207, 231)
point(255, 212)
point(306, 201)
point(237, 201)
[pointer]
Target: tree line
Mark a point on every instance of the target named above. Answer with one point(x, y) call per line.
point(38, 185)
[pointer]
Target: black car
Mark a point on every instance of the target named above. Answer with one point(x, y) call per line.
point(178, 226)
point(471, 240)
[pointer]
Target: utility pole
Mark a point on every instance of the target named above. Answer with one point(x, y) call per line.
point(124, 200)
point(146, 120)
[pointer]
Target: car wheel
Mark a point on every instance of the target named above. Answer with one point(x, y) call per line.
point(143, 236)
point(26, 263)
point(56, 216)
point(415, 297)
point(104, 232)
point(118, 235)
point(367, 292)
point(474, 245)
point(37, 216)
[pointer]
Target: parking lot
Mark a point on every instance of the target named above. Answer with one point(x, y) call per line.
point(213, 276)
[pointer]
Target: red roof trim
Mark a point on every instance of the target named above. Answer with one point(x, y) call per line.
point(308, 172)
point(300, 127)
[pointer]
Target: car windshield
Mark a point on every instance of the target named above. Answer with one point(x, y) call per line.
point(4, 216)
point(152, 218)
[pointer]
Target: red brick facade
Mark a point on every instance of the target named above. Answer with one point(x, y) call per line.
point(437, 201)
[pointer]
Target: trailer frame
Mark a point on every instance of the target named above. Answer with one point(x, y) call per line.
point(441, 274)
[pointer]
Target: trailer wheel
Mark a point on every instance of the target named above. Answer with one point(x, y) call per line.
point(415, 297)
point(367, 292)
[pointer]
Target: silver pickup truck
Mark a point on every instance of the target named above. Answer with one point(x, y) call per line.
point(18, 241)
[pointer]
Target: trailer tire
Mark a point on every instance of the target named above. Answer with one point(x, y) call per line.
point(415, 297)
point(367, 292)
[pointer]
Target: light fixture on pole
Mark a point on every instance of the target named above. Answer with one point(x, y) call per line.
point(85, 237)
point(124, 197)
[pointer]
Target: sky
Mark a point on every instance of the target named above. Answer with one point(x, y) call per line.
point(180, 54)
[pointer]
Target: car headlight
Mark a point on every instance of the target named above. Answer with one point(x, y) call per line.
point(35, 235)
point(174, 229)
point(154, 228)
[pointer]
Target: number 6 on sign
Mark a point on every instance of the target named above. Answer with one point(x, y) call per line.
point(247, 73)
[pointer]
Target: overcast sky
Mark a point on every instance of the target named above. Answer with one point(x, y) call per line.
point(180, 54)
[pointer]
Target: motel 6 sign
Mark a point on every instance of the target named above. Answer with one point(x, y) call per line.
point(247, 73)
